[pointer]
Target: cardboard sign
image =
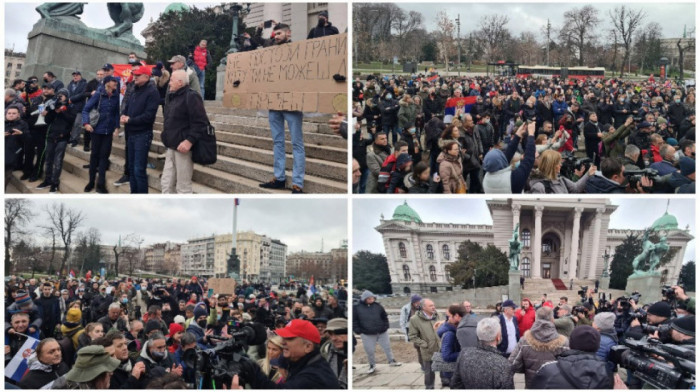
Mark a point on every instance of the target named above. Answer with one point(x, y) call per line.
point(294, 76)
point(222, 285)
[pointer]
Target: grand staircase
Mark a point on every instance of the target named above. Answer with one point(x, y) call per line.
point(244, 158)
point(534, 288)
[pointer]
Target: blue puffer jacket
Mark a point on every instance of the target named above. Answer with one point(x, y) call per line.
point(559, 108)
point(607, 340)
point(109, 112)
point(449, 346)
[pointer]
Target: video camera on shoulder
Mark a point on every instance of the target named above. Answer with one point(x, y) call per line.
point(668, 293)
point(635, 176)
point(570, 164)
point(648, 360)
point(215, 366)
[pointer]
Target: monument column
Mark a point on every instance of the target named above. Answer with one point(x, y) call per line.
point(596, 242)
point(537, 250)
point(573, 256)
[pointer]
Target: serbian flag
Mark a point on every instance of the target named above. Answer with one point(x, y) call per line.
point(123, 71)
point(433, 78)
point(17, 366)
point(71, 274)
point(453, 106)
point(88, 276)
point(312, 287)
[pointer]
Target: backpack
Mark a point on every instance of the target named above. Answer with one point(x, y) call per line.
point(66, 343)
point(384, 178)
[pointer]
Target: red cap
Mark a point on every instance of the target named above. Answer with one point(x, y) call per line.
point(175, 328)
point(194, 278)
point(300, 329)
point(141, 71)
point(548, 304)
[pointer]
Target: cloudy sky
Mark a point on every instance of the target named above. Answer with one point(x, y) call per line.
point(533, 16)
point(299, 223)
point(94, 15)
point(630, 214)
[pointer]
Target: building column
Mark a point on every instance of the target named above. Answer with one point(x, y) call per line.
point(596, 243)
point(516, 215)
point(573, 256)
point(537, 250)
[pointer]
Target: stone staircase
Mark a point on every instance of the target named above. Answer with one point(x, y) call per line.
point(245, 158)
point(534, 288)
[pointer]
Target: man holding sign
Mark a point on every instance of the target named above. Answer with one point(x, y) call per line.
point(283, 35)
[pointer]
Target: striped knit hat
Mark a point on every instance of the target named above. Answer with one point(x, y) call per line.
point(23, 300)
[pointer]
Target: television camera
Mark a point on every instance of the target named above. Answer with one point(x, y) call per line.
point(661, 365)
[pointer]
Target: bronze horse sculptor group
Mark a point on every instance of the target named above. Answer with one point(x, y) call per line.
point(124, 15)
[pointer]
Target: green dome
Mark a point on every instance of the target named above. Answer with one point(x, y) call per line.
point(176, 7)
point(666, 222)
point(406, 213)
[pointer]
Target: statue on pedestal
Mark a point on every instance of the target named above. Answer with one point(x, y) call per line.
point(651, 255)
point(53, 10)
point(124, 16)
point(515, 248)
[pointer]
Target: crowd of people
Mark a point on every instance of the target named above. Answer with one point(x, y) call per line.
point(131, 333)
point(42, 117)
point(500, 134)
point(556, 345)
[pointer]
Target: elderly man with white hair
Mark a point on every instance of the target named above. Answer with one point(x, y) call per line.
point(483, 367)
point(185, 122)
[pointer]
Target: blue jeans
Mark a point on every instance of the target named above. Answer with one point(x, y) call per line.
point(138, 146)
point(392, 131)
point(277, 119)
point(200, 76)
point(363, 180)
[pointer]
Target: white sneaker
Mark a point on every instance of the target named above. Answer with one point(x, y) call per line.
point(394, 363)
point(371, 369)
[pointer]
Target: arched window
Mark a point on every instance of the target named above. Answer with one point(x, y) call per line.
point(406, 272)
point(429, 251)
point(525, 267)
point(402, 250)
point(547, 247)
point(526, 238)
point(433, 274)
point(446, 252)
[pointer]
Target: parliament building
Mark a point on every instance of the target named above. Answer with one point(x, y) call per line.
point(561, 239)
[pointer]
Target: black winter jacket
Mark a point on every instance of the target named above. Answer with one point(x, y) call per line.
point(574, 370)
point(184, 118)
point(78, 94)
point(61, 123)
point(309, 372)
point(141, 107)
point(369, 319)
point(322, 31)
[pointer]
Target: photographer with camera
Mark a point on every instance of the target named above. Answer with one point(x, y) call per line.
point(307, 368)
point(658, 314)
point(612, 179)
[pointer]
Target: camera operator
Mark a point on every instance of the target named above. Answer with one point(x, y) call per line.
point(611, 179)
point(683, 331)
point(307, 368)
point(685, 305)
point(157, 359)
point(657, 314)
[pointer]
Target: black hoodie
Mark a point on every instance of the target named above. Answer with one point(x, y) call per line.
point(574, 370)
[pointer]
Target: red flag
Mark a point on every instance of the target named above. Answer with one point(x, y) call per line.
point(88, 275)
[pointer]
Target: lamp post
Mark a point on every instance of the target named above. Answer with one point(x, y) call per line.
point(606, 256)
point(239, 11)
point(459, 49)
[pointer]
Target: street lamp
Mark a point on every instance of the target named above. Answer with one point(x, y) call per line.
point(459, 48)
point(239, 11)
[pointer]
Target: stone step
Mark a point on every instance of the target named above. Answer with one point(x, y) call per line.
point(69, 183)
point(228, 175)
point(316, 167)
point(312, 151)
point(310, 138)
point(217, 107)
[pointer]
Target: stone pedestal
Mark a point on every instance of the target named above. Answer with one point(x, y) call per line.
point(604, 284)
point(63, 47)
point(514, 286)
point(648, 285)
point(220, 80)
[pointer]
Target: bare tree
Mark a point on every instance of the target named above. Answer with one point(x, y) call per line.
point(131, 251)
point(65, 221)
point(528, 48)
point(580, 24)
point(18, 212)
point(403, 25)
point(445, 37)
point(29, 256)
point(626, 21)
point(648, 46)
point(50, 230)
point(494, 34)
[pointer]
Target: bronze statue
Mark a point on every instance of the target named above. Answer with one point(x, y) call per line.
point(515, 248)
point(124, 16)
point(53, 10)
point(651, 254)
